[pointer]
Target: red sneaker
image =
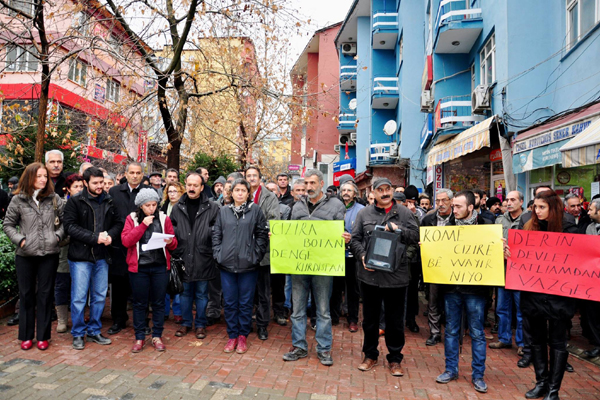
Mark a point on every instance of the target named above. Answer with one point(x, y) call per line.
point(230, 346)
point(242, 346)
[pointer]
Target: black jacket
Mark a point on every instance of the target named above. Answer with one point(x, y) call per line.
point(124, 203)
point(4, 202)
point(79, 221)
point(59, 186)
point(431, 219)
point(287, 198)
point(195, 246)
point(365, 223)
point(469, 289)
point(239, 244)
point(568, 221)
point(549, 306)
point(584, 221)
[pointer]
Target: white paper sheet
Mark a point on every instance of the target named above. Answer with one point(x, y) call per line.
point(157, 241)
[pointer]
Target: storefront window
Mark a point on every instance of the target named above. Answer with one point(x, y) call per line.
point(471, 171)
point(540, 175)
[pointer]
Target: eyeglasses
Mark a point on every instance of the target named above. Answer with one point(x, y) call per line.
point(440, 201)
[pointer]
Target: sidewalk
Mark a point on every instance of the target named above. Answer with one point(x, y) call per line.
point(198, 369)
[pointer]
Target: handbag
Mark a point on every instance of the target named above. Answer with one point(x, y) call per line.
point(175, 285)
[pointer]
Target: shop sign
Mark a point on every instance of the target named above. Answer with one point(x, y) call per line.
point(496, 155)
point(429, 175)
point(99, 93)
point(293, 167)
point(439, 177)
point(337, 175)
point(142, 146)
point(344, 165)
point(538, 158)
point(427, 130)
point(553, 136)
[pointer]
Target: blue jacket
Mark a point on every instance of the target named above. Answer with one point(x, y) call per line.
point(349, 220)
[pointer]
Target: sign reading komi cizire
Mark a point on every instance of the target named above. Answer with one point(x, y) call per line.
point(562, 264)
point(307, 247)
point(463, 255)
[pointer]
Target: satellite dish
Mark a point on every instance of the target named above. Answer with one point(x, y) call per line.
point(390, 127)
point(352, 104)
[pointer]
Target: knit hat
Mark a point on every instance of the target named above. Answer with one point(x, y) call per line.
point(220, 180)
point(145, 195)
point(491, 201)
point(345, 178)
point(13, 180)
point(411, 193)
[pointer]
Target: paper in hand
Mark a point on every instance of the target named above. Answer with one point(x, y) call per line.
point(157, 241)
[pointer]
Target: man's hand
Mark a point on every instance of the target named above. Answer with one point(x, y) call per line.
point(168, 241)
point(411, 206)
point(107, 240)
point(102, 239)
point(347, 237)
point(394, 227)
point(148, 220)
point(365, 266)
point(506, 250)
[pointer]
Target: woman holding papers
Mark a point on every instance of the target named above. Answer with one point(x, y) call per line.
point(240, 238)
point(546, 317)
point(148, 266)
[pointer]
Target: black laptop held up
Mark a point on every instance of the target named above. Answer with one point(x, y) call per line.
point(383, 250)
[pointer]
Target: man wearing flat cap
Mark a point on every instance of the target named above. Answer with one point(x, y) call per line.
point(383, 286)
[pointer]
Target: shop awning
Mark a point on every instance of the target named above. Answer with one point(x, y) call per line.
point(468, 141)
point(584, 149)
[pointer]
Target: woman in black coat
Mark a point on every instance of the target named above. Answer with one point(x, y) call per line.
point(240, 237)
point(547, 317)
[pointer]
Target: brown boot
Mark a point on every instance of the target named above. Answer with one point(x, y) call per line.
point(62, 313)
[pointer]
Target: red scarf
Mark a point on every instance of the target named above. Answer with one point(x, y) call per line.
point(257, 194)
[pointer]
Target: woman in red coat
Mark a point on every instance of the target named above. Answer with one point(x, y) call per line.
point(148, 269)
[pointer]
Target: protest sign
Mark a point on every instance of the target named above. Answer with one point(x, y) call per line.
point(307, 247)
point(563, 264)
point(463, 255)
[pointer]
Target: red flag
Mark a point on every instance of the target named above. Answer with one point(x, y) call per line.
point(347, 156)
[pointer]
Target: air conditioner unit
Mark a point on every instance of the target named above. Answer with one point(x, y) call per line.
point(394, 150)
point(426, 101)
point(353, 137)
point(349, 49)
point(345, 138)
point(480, 100)
point(337, 147)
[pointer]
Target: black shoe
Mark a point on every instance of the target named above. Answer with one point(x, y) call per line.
point(281, 320)
point(313, 325)
point(78, 343)
point(412, 326)
point(116, 328)
point(569, 368)
point(325, 358)
point(295, 354)
point(98, 339)
point(525, 361)
point(262, 333)
point(14, 320)
point(595, 352)
point(495, 329)
point(433, 340)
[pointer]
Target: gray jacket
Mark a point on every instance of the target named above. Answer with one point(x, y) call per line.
point(269, 204)
point(508, 223)
point(36, 225)
point(592, 229)
point(327, 209)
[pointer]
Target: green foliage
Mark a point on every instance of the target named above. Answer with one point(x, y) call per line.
point(20, 149)
point(222, 165)
point(8, 275)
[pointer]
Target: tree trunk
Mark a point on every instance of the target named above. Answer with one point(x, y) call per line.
point(45, 84)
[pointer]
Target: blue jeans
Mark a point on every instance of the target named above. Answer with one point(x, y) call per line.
point(288, 292)
point(194, 292)
point(92, 277)
point(148, 287)
point(322, 287)
point(176, 305)
point(238, 301)
point(506, 299)
point(474, 306)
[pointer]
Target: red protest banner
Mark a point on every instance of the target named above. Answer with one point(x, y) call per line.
point(563, 264)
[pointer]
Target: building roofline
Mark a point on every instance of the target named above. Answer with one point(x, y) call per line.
point(345, 21)
point(310, 41)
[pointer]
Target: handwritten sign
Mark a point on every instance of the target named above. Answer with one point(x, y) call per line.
point(563, 264)
point(463, 255)
point(307, 248)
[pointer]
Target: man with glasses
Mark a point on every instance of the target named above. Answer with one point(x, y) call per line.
point(441, 217)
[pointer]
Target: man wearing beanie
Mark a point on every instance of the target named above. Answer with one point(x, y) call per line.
point(92, 222)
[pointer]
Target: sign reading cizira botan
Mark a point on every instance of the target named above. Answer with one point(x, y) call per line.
point(307, 247)
point(463, 255)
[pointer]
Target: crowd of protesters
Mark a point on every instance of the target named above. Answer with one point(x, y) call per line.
point(78, 234)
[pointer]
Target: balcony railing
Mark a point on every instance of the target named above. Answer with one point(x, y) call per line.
point(385, 20)
point(383, 153)
point(385, 92)
point(347, 122)
point(457, 10)
point(348, 77)
point(455, 112)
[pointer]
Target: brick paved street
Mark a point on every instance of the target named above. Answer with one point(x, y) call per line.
point(198, 369)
